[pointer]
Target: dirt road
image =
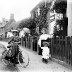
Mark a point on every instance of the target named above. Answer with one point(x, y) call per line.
point(35, 65)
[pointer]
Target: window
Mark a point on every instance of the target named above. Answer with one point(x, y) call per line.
point(58, 16)
point(38, 12)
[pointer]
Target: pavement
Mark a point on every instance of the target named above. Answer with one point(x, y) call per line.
point(35, 64)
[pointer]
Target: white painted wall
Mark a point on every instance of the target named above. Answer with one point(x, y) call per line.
point(69, 15)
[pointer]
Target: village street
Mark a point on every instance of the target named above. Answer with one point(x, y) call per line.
point(35, 65)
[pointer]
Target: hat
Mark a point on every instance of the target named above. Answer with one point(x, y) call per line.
point(46, 43)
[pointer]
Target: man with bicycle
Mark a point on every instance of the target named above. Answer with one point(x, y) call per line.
point(14, 50)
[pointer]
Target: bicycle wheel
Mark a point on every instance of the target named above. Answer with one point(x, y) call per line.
point(5, 62)
point(23, 59)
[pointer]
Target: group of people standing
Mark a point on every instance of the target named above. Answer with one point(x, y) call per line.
point(44, 47)
point(44, 43)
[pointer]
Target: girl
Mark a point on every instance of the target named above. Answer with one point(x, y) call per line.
point(45, 52)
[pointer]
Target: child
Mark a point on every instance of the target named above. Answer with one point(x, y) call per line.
point(45, 52)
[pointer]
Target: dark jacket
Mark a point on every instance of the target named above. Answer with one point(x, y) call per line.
point(14, 49)
point(15, 39)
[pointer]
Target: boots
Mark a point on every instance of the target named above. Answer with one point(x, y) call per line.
point(46, 60)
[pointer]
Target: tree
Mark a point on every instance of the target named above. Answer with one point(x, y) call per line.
point(28, 23)
point(42, 18)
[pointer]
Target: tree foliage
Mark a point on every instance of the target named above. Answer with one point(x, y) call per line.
point(28, 23)
point(42, 19)
point(60, 7)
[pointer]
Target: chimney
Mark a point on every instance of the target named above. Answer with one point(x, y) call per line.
point(12, 16)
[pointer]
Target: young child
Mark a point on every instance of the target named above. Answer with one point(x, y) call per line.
point(45, 52)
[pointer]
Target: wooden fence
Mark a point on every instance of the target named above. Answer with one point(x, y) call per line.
point(61, 47)
point(30, 43)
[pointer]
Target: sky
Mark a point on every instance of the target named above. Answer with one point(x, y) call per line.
point(20, 8)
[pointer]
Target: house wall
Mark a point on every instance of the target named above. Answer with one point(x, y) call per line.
point(58, 17)
point(69, 15)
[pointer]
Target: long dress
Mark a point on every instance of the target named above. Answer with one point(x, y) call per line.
point(42, 37)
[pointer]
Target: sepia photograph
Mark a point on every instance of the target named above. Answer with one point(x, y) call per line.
point(35, 36)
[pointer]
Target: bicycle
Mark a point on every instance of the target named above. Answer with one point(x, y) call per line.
point(8, 62)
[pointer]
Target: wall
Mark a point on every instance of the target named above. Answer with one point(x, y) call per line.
point(69, 15)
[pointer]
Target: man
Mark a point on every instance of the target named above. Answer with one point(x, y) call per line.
point(14, 48)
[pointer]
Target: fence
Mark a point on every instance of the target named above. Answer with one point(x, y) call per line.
point(61, 47)
point(31, 43)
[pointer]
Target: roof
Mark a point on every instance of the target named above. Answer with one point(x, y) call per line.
point(57, 1)
point(8, 24)
point(43, 2)
point(25, 22)
point(14, 25)
point(2, 25)
point(40, 4)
